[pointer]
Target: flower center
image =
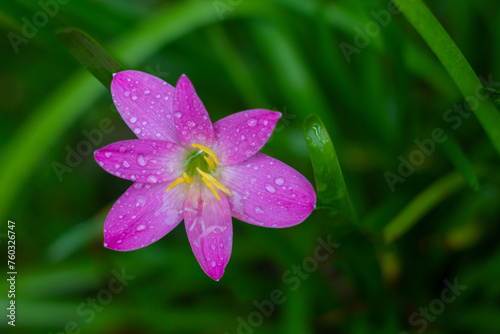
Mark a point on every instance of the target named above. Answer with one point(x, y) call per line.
point(201, 163)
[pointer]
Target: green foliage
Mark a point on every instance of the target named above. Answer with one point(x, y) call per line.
point(381, 93)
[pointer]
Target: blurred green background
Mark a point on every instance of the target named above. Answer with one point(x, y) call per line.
point(390, 272)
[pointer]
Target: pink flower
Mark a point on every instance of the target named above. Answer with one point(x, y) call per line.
point(185, 167)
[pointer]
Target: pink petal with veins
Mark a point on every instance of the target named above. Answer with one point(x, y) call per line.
point(191, 118)
point(243, 134)
point(267, 192)
point(143, 215)
point(148, 161)
point(209, 229)
point(145, 104)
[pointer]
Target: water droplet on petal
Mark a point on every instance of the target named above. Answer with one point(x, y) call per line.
point(177, 114)
point(141, 160)
point(242, 137)
point(137, 131)
point(125, 164)
point(253, 180)
point(252, 122)
point(191, 124)
point(213, 264)
point(258, 210)
point(133, 119)
point(122, 149)
point(140, 228)
point(134, 97)
point(270, 188)
point(126, 93)
point(256, 168)
point(138, 185)
point(279, 181)
point(151, 179)
point(147, 91)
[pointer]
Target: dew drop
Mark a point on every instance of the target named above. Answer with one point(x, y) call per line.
point(242, 137)
point(151, 179)
point(141, 160)
point(134, 97)
point(107, 154)
point(258, 210)
point(126, 93)
point(137, 131)
point(147, 91)
point(122, 149)
point(253, 180)
point(140, 228)
point(279, 181)
point(125, 164)
point(133, 119)
point(270, 188)
point(252, 122)
point(138, 185)
point(177, 114)
point(256, 168)
point(191, 124)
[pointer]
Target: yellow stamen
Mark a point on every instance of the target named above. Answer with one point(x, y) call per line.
point(176, 182)
point(214, 181)
point(207, 151)
point(210, 163)
point(187, 178)
point(211, 187)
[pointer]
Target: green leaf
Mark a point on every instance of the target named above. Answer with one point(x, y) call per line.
point(422, 204)
point(330, 185)
point(421, 18)
point(458, 158)
point(90, 54)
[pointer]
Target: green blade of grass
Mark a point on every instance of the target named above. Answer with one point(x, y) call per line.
point(422, 204)
point(90, 54)
point(330, 185)
point(421, 18)
point(458, 158)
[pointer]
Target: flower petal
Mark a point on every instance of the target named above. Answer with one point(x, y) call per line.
point(243, 134)
point(191, 118)
point(145, 104)
point(267, 192)
point(209, 229)
point(143, 215)
point(148, 161)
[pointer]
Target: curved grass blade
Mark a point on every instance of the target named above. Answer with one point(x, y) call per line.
point(330, 185)
point(422, 204)
point(90, 54)
point(421, 18)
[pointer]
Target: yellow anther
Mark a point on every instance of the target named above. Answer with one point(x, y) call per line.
point(213, 181)
point(207, 151)
point(210, 162)
point(211, 187)
point(187, 178)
